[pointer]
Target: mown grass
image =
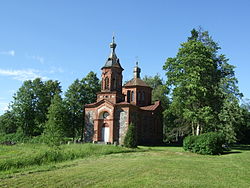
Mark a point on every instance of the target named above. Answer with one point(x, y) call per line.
point(157, 167)
point(20, 156)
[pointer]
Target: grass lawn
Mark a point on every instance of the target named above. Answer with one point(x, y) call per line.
point(155, 167)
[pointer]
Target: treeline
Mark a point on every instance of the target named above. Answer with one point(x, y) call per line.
point(200, 95)
point(39, 110)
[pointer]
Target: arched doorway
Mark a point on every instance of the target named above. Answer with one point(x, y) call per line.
point(105, 132)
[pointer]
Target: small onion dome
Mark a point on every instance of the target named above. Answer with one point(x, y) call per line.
point(137, 71)
point(113, 44)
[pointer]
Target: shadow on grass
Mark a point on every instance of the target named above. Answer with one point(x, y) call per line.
point(230, 152)
point(159, 147)
point(163, 145)
point(241, 147)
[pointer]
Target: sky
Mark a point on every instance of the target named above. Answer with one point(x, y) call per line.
point(66, 39)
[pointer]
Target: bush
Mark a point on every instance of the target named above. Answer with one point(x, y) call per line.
point(130, 138)
point(208, 143)
point(189, 143)
point(13, 137)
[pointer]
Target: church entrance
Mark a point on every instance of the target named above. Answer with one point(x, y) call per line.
point(105, 132)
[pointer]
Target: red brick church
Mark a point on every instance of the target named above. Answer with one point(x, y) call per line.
point(117, 106)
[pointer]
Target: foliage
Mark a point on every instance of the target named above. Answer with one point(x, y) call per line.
point(243, 128)
point(35, 154)
point(231, 118)
point(160, 91)
point(130, 140)
point(207, 143)
point(81, 92)
point(203, 88)
point(8, 123)
point(14, 137)
point(54, 127)
point(30, 105)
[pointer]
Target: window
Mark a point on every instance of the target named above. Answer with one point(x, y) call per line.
point(139, 96)
point(132, 96)
point(128, 96)
point(105, 115)
point(106, 83)
point(143, 96)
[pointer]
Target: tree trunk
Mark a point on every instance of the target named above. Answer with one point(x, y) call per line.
point(193, 128)
point(176, 136)
point(198, 129)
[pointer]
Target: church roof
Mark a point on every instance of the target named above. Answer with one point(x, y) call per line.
point(112, 60)
point(151, 107)
point(98, 103)
point(136, 82)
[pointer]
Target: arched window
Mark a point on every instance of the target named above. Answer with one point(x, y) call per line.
point(143, 96)
point(139, 96)
point(132, 96)
point(104, 115)
point(106, 83)
point(128, 96)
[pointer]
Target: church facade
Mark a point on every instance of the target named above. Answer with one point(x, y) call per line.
point(107, 119)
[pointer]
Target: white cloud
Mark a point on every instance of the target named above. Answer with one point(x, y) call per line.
point(55, 70)
point(3, 107)
point(22, 75)
point(38, 58)
point(10, 52)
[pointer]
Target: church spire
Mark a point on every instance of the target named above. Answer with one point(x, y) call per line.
point(113, 46)
point(137, 71)
point(112, 61)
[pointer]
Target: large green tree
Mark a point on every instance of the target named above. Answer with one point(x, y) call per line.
point(30, 105)
point(203, 86)
point(79, 93)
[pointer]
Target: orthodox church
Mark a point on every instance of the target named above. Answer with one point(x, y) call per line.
point(117, 105)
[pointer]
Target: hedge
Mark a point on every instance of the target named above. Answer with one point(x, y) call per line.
point(207, 143)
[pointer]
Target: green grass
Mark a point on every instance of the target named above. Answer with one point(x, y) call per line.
point(20, 156)
point(157, 167)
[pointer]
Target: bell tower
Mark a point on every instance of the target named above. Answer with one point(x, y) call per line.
point(111, 87)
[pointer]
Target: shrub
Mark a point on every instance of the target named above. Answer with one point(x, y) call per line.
point(130, 138)
point(189, 143)
point(208, 143)
point(14, 137)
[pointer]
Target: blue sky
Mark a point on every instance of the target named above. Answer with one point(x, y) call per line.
point(66, 39)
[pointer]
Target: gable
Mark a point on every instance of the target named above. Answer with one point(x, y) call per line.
point(105, 107)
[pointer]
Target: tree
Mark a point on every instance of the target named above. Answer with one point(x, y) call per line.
point(202, 85)
point(243, 129)
point(160, 91)
point(81, 92)
point(8, 123)
point(130, 137)
point(30, 105)
point(54, 127)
